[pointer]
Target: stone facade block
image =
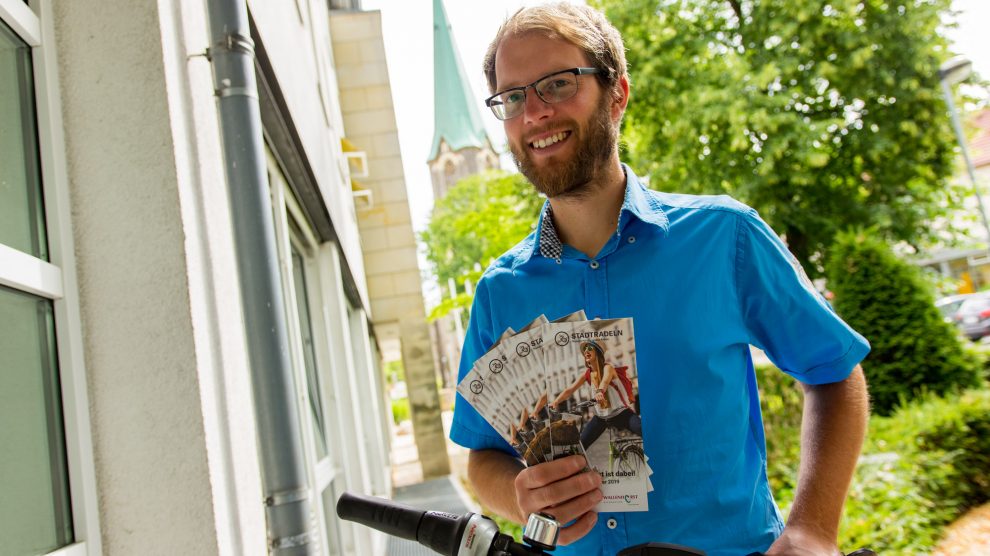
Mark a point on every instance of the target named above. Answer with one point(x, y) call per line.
point(355, 99)
point(387, 169)
point(363, 75)
point(370, 121)
point(390, 260)
point(372, 218)
point(356, 27)
point(382, 286)
point(347, 53)
point(386, 144)
point(372, 50)
point(374, 238)
point(396, 213)
point(399, 307)
point(380, 97)
point(400, 236)
point(407, 282)
point(392, 191)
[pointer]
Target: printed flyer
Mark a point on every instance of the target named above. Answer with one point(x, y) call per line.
point(569, 387)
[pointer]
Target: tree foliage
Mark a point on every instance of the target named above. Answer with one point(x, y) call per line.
point(821, 115)
point(478, 219)
point(913, 350)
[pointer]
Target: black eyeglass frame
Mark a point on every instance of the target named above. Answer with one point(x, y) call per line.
point(575, 71)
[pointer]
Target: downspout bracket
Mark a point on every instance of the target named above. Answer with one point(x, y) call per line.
point(287, 497)
point(292, 542)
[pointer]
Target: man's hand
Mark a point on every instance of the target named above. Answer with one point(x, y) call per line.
point(565, 489)
point(797, 542)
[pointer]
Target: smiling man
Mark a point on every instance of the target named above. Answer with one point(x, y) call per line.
point(702, 277)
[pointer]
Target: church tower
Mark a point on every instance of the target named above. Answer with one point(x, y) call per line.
point(461, 146)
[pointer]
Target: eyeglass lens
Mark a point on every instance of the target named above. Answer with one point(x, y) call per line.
point(553, 88)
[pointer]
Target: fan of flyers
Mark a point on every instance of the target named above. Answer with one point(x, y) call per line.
point(569, 387)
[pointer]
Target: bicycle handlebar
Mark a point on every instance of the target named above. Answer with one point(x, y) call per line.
point(473, 534)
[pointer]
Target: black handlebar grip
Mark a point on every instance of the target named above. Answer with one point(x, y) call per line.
point(442, 531)
point(384, 515)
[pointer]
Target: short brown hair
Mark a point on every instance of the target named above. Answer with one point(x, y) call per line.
point(580, 25)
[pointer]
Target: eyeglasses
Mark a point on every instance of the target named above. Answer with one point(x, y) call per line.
point(556, 87)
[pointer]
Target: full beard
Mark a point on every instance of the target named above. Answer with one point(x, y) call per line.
point(573, 177)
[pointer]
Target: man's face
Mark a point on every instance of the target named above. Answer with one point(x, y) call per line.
point(583, 129)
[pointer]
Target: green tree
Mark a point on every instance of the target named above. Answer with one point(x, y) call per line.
point(478, 219)
point(889, 302)
point(821, 115)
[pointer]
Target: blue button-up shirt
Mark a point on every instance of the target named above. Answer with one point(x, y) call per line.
point(703, 278)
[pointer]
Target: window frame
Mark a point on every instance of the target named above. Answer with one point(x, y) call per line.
point(55, 279)
point(293, 231)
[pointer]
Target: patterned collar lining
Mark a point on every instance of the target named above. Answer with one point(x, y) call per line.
point(550, 246)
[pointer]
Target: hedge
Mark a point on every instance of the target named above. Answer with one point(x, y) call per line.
point(891, 303)
point(922, 467)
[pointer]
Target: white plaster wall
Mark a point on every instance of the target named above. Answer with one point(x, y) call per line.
point(172, 419)
point(225, 381)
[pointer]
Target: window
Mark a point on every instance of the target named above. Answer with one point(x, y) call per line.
point(22, 222)
point(46, 472)
point(303, 287)
point(35, 511)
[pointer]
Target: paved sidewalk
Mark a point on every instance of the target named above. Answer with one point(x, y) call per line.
point(443, 494)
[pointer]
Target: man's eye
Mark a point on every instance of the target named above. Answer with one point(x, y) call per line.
point(554, 85)
point(513, 97)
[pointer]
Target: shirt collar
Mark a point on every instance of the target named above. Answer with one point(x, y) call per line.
point(638, 202)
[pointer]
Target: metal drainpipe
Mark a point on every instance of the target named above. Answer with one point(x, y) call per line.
point(283, 473)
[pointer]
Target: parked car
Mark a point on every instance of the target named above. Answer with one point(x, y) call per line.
point(973, 316)
point(949, 305)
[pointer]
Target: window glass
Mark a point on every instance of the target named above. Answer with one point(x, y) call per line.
point(22, 221)
point(35, 512)
point(309, 353)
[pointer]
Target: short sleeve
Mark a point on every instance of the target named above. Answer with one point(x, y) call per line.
point(469, 428)
point(785, 315)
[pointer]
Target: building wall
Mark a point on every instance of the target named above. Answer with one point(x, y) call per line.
point(297, 38)
point(172, 422)
point(394, 282)
point(173, 435)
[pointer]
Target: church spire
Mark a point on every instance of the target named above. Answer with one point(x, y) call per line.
point(456, 121)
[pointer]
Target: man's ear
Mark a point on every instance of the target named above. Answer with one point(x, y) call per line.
point(620, 96)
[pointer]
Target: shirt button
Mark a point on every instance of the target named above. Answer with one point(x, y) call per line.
point(612, 523)
point(594, 265)
point(632, 239)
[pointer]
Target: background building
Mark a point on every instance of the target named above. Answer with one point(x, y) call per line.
point(969, 263)
point(129, 418)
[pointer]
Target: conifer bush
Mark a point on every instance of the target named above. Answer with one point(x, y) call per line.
point(889, 301)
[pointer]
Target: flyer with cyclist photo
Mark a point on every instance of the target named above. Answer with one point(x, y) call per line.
point(592, 379)
point(568, 387)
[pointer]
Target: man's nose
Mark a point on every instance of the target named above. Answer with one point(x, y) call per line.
point(536, 109)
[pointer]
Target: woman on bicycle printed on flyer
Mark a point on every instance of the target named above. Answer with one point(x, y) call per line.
point(612, 390)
